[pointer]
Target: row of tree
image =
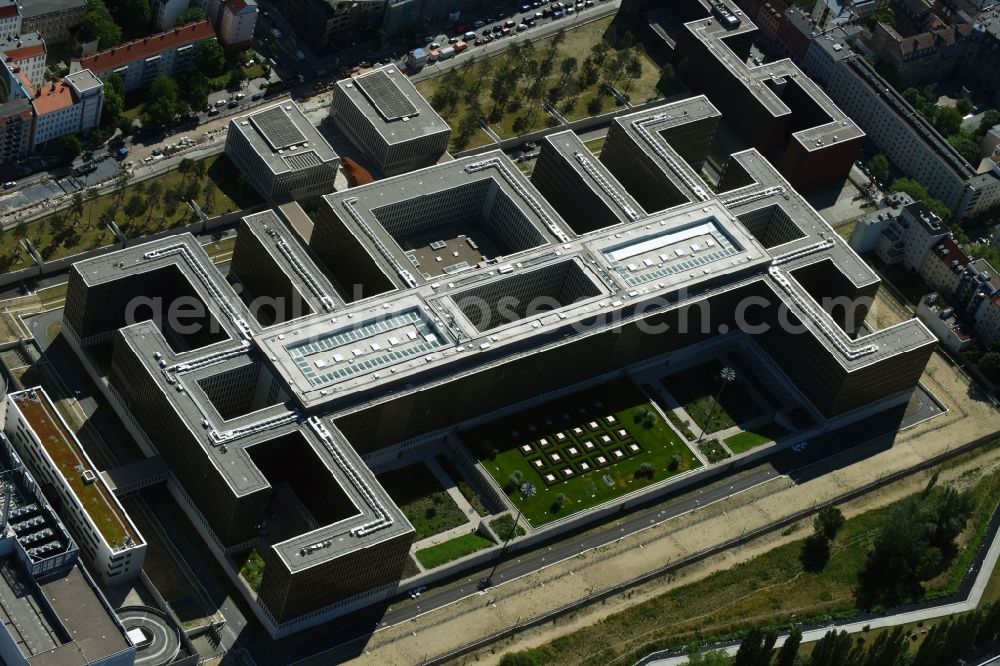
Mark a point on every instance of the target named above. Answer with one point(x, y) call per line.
point(948, 643)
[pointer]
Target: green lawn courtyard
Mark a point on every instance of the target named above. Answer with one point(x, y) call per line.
point(569, 70)
point(751, 439)
point(584, 449)
point(422, 500)
point(451, 550)
point(695, 390)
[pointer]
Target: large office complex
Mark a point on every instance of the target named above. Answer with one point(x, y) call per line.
point(775, 106)
point(446, 296)
point(382, 114)
point(282, 153)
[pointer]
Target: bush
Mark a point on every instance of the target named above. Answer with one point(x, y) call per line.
point(558, 503)
point(646, 470)
point(675, 462)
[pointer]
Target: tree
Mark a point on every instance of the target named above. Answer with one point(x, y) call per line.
point(114, 100)
point(990, 118)
point(964, 106)
point(919, 193)
point(194, 90)
point(76, 207)
point(832, 649)
point(913, 543)
point(153, 195)
point(755, 648)
point(675, 462)
point(20, 230)
point(878, 166)
point(948, 121)
point(236, 78)
point(192, 15)
point(967, 146)
point(98, 20)
point(133, 16)
point(594, 105)
point(92, 195)
point(70, 147)
point(790, 650)
point(559, 502)
point(210, 59)
point(828, 522)
point(134, 207)
point(162, 105)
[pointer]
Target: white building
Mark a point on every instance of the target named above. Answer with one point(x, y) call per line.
point(943, 323)
point(56, 458)
point(237, 22)
point(943, 265)
point(10, 19)
point(26, 52)
point(70, 106)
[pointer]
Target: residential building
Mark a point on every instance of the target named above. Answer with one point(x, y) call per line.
point(166, 12)
point(56, 458)
point(138, 62)
point(991, 141)
point(944, 265)
point(10, 19)
point(331, 24)
point(909, 141)
point(944, 323)
point(282, 153)
point(236, 23)
point(16, 115)
point(385, 117)
point(53, 19)
point(26, 53)
point(904, 235)
point(52, 611)
point(70, 106)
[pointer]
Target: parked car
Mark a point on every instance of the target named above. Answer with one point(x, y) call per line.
point(9, 184)
point(220, 102)
point(521, 27)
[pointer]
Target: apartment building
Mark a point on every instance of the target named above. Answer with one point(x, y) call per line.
point(53, 19)
point(909, 141)
point(328, 24)
point(70, 106)
point(138, 62)
point(237, 23)
point(10, 19)
point(26, 53)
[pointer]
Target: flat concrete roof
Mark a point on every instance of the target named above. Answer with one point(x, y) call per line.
point(423, 121)
point(283, 138)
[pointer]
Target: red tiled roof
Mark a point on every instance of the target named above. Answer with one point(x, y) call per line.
point(54, 96)
point(25, 52)
point(148, 46)
point(236, 6)
point(954, 252)
point(8, 11)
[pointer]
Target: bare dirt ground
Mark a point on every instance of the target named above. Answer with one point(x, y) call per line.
point(479, 615)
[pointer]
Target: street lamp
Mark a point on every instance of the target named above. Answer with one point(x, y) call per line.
point(527, 490)
point(727, 375)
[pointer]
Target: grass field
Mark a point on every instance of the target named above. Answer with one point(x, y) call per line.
point(504, 526)
point(525, 112)
point(252, 570)
point(452, 549)
point(580, 418)
point(696, 388)
point(764, 591)
point(422, 500)
point(65, 233)
point(750, 439)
